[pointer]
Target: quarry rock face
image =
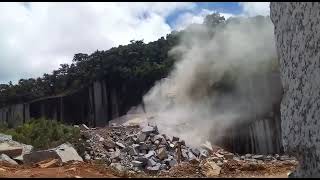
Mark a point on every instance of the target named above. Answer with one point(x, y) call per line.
point(297, 40)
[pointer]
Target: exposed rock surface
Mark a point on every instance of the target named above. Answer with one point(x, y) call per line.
point(297, 36)
point(6, 159)
point(12, 148)
point(65, 152)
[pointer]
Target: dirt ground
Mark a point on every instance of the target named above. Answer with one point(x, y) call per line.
point(82, 170)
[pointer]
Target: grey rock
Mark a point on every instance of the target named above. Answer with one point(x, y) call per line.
point(115, 154)
point(137, 163)
point(4, 137)
point(156, 142)
point(219, 163)
point(170, 157)
point(66, 152)
point(120, 145)
point(142, 159)
point(135, 139)
point(154, 169)
point(184, 153)
point(296, 34)
point(109, 144)
point(229, 156)
point(117, 166)
point(192, 157)
point(150, 154)
point(207, 146)
point(163, 167)
point(162, 153)
point(258, 157)
point(248, 156)
point(268, 158)
point(151, 162)
point(158, 137)
point(216, 159)
point(195, 151)
point(148, 129)
point(285, 158)
point(175, 139)
point(10, 149)
point(84, 127)
point(111, 150)
point(87, 157)
point(173, 162)
point(7, 159)
point(236, 158)
point(143, 146)
point(142, 137)
point(132, 151)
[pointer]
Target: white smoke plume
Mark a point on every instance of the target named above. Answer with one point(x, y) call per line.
point(194, 102)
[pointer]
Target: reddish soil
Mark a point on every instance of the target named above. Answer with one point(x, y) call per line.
point(232, 169)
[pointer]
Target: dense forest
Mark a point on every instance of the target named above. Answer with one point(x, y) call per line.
point(137, 63)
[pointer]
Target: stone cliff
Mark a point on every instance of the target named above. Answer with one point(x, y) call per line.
point(297, 35)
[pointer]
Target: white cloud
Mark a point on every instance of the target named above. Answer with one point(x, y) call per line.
point(188, 18)
point(38, 37)
point(255, 8)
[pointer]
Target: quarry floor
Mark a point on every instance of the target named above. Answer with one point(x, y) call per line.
point(82, 170)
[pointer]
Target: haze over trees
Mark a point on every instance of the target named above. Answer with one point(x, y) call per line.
point(137, 63)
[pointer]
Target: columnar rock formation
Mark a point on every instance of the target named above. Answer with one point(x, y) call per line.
point(298, 42)
point(99, 103)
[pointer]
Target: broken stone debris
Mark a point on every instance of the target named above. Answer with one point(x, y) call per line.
point(144, 149)
point(6, 159)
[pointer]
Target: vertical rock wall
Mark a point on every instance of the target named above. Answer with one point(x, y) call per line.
point(297, 32)
point(257, 132)
point(97, 104)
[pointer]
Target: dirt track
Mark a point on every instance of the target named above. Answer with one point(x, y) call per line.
point(96, 171)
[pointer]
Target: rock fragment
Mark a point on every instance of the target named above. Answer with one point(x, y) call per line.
point(162, 153)
point(6, 159)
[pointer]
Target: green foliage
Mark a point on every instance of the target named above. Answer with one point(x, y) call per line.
point(43, 134)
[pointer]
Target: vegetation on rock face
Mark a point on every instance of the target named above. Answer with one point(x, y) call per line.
point(43, 134)
point(137, 65)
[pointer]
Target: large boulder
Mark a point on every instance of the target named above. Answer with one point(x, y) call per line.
point(296, 28)
point(10, 150)
point(6, 159)
point(13, 148)
point(65, 152)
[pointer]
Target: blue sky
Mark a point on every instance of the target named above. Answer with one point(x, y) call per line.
point(222, 7)
point(37, 37)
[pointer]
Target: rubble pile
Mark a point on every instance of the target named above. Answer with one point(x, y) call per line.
point(140, 149)
point(144, 149)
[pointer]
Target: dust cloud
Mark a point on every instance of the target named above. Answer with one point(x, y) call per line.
point(222, 77)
